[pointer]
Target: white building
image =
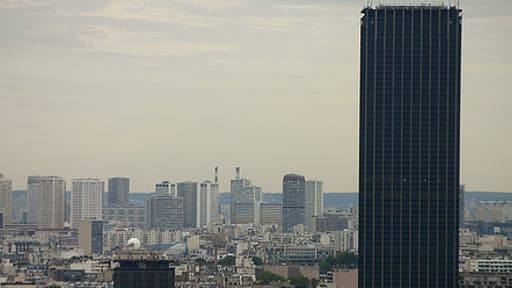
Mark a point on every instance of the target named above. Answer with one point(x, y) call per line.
point(86, 200)
point(314, 202)
point(208, 204)
point(5, 200)
point(491, 266)
point(46, 201)
point(346, 240)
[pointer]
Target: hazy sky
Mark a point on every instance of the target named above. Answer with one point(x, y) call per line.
point(160, 90)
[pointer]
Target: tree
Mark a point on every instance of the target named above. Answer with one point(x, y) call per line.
point(342, 260)
point(257, 260)
point(266, 277)
point(227, 261)
point(299, 282)
point(200, 261)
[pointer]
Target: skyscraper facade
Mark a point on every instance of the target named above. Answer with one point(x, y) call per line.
point(409, 146)
point(208, 203)
point(314, 202)
point(46, 201)
point(118, 191)
point(188, 192)
point(294, 201)
point(86, 200)
point(164, 211)
point(245, 201)
point(5, 200)
point(90, 236)
point(166, 187)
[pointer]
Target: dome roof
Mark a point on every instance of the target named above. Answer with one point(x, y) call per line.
point(133, 243)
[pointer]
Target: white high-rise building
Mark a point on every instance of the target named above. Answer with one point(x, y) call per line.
point(46, 199)
point(314, 202)
point(208, 204)
point(86, 200)
point(5, 200)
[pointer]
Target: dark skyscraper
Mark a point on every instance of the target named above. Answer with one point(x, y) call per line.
point(294, 201)
point(188, 192)
point(409, 146)
point(118, 191)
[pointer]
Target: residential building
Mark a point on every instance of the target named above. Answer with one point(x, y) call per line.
point(484, 280)
point(46, 201)
point(90, 236)
point(331, 222)
point(86, 200)
point(346, 240)
point(5, 201)
point(409, 151)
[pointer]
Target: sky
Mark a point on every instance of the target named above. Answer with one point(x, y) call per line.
point(167, 89)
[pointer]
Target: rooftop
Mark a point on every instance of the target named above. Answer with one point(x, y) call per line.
point(411, 3)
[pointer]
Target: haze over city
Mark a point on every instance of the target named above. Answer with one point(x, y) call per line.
point(160, 90)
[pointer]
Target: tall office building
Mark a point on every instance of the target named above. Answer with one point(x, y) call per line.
point(90, 236)
point(166, 187)
point(86, 200)
point(314, 202)
point(118, 191)
point(294, 201)
point(33, 199)
point(164, 211)
point(245, 201)
point(208, 203)
point(5, 200)
point(46, 201)
point(409, 146)
point(188, 192)
point(271, 214)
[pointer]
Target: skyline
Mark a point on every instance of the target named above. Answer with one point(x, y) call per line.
point(169, 90)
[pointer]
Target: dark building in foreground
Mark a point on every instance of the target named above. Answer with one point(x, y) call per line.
point(409, 146)
point(144, 274)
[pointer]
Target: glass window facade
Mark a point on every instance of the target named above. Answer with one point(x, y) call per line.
point(409, 146)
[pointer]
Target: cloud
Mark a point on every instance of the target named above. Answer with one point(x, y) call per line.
point(16, 4)
point(120, 41)
point(186, 14)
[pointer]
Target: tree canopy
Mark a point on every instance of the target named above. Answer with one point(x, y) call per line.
point(342, 260)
